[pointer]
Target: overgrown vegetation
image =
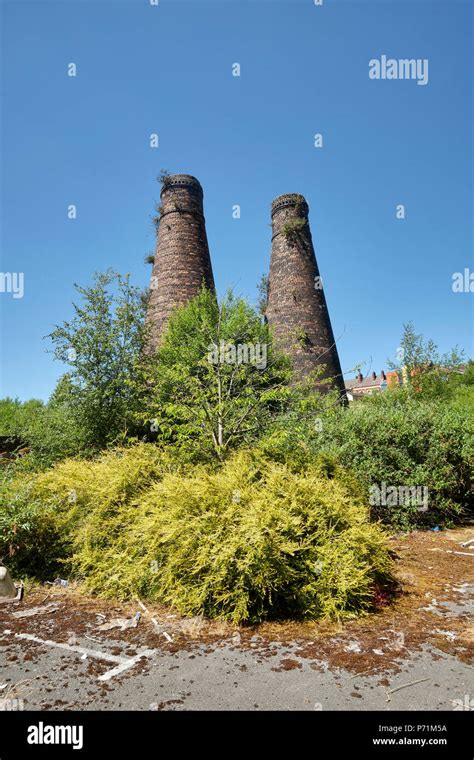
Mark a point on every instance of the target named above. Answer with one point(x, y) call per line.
point(400, 440)
point(49, 432)
point(423, 369)
point(102, 344)
point(204, 477)
point(395, 438)
point(293, 226)
point(248, 540)
point(216, 381)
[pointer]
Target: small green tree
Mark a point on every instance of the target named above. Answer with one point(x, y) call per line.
point(263, 289)
point(103, 346)
point(422, 367)
point(216, 380)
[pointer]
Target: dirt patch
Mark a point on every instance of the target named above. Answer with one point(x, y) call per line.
point(288, 665)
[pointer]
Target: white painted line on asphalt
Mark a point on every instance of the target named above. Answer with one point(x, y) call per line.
point(122, 663)
point(125, 665)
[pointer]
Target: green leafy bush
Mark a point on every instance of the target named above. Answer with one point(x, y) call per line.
point(30, 542)
point(50, 432)
point(246, 540)
point(402, 440)
point(16, 415)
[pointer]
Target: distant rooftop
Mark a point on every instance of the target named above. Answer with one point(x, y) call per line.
point(373, 380)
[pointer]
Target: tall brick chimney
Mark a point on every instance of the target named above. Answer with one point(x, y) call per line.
point(297, 307)
point(182, 262)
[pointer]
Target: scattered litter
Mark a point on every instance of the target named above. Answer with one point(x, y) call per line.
point(377, 651)
point(436, 529)
point(353, 646)
point(3, 686)
point(395, 641)
point(45, 609)
point(433, 607)
point(122, 623)
point(465, 544)
point(405, 686)
point(18, 691)
point(464, 588)
point(99, 614)
point(450, 635)
point(84, 656)
point(399, 640)
point(91, 638)
point(236, 638)
point(58, 582)
point(154, 621)
point(464, 554)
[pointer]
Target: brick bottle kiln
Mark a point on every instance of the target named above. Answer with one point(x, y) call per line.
point(182, 261)
point(297, 307)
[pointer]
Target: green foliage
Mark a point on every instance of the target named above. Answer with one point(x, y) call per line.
point(103, 344)
point(41, 514)
point(290, 229)
point(29, 540)
point(245, 541)
point(424, 369)
point(49, 431)
point(263, 290)
point(458, 379)
point(405, 440)
point(202, 395)
point(292, 436)
point(156, 219)
point(16, 415)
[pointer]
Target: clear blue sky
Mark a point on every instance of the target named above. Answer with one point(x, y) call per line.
point(304, 70)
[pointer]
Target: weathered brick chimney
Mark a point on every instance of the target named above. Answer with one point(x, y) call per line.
point(297, 307)
point(182, 261)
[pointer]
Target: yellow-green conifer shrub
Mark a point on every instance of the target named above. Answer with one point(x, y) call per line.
point(248, 541)
point(43, 516)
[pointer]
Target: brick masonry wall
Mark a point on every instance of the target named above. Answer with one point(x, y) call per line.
point(297, 309)
point(182, 261)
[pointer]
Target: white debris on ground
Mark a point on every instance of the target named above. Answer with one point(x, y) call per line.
point(352, 646)
point(121, 623)
point(31, 611)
